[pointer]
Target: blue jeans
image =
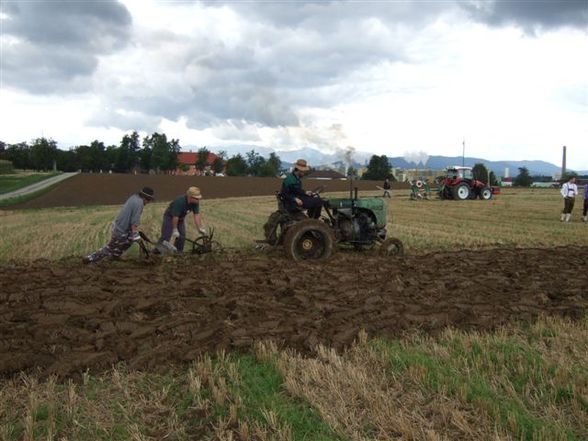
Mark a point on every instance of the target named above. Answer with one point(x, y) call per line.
point(167, 229)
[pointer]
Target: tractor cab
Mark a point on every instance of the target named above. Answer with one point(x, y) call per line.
point(459, 173)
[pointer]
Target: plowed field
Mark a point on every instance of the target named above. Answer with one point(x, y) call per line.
point(63, 317)
point(104, 189)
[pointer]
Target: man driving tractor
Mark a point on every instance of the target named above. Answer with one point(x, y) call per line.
point(173, 228)
point(295, 198)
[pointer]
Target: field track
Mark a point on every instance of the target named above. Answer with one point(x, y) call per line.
point(103, 189)
point(63, 317)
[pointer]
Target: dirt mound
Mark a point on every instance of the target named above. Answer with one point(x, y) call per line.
point(104, 189)
point(65, 317)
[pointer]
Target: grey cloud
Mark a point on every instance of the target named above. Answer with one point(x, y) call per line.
point(268, 77)
point(530, 15)
point(61, 39)
point(325, 16)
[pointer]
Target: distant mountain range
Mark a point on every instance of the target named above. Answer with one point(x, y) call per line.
point(317, 158)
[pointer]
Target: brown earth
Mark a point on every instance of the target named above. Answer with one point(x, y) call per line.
point(63, 317)
point(105, 189)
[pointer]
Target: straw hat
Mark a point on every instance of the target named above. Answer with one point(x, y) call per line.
point(301, 165)
point(194, 192)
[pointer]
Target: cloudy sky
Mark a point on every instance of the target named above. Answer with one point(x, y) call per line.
point(384, 76)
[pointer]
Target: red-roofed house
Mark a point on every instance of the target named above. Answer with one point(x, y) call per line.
point(189, 159)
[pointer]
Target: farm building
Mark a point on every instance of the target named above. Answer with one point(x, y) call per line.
point(187, 164)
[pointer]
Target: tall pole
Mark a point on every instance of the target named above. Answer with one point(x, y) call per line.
point(563, 162)
point(463, 154)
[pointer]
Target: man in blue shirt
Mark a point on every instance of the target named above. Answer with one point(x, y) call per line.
point(125, 228)
point(173, 228)
point(295, 197)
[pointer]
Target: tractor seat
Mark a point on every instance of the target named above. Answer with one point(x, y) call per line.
point(284, 206)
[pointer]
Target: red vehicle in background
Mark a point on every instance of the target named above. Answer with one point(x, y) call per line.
point(459, 183)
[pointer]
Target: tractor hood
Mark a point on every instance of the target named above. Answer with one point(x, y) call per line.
point(377, 206)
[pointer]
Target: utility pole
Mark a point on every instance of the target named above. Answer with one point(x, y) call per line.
point(463, 154)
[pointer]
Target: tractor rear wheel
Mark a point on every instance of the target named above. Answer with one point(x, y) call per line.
point(392, 247)
point(310, 239)
point(461, 192)
point(485, 193)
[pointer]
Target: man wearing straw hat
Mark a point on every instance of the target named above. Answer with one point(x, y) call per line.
point(295, 197)
point(125, 228)
point(173, 228)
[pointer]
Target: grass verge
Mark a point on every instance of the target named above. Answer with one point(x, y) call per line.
point(16, 181)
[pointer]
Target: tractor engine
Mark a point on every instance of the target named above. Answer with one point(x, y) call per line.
point(359, 228)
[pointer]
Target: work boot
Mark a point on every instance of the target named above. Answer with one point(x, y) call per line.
point(568, 216)
point(585, 219)
point(562, 217)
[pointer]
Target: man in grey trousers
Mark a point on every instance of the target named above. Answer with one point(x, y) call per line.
point(125, 227)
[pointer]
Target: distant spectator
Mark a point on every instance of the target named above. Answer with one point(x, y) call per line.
point(569, 192)
point(386, 188)
point(125, 228)
point(585, 211)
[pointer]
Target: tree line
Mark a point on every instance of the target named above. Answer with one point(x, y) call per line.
point(154, 153)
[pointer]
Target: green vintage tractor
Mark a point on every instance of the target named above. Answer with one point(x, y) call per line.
point(358, 223)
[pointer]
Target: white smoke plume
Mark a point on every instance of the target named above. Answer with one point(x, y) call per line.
point(419, 157)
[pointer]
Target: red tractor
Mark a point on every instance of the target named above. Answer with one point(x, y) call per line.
point(459, 184)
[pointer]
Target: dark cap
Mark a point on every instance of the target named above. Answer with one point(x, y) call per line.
point(147, 193)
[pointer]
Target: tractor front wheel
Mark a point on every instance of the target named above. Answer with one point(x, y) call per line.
point(310, 239)
point(485, 193)
point(392, 247)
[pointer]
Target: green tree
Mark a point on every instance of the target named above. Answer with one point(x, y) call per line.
point(157, 145)
point(128, 154)
point(523, 179)
point(67, 160)
point(19, 154)
point(92, 157)
point(219, 162)
point(378, 169)
point(255, 163)
point(271, 167)
point(43, 153)
point(568, 175)
point(236, 166)
point(480, 173)
point(202, 159)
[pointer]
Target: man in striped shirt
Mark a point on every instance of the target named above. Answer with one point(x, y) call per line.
point(569, 191)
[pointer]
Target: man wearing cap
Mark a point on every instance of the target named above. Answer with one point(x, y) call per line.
point(125, 228)
point(173, 228)
point(295, 197)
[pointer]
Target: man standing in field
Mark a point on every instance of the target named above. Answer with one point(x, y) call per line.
point(125, 227)
point(386, 188)
point(295, 196)
point(173, 228)
point(569, 191)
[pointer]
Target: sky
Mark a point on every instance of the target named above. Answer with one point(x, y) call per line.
point(395, 78)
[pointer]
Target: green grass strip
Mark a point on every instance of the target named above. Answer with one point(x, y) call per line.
point(10, 183)
point(477, 373)
point(261, 387)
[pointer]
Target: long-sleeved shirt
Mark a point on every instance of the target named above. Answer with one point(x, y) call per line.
point(569, 190)
point(129, 215)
